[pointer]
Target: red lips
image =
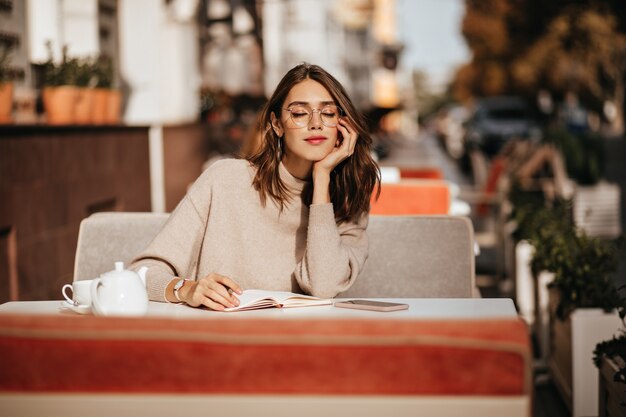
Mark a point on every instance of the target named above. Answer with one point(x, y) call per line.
point(315, 140)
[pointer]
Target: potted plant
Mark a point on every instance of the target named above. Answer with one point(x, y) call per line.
point(60, 92)
point(610, 358)
point(574, 303)
point(535, 220)
point(108, 100)
point(85, 96)
point(103, 80)
point(584, 308)
point(6, 86)
point(582, 267)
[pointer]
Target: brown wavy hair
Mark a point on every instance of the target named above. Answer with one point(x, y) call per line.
point(352, 182)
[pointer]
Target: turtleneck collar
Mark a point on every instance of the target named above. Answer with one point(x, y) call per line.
point(293, 183)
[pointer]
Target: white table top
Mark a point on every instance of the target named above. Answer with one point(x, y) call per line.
point(419, 308)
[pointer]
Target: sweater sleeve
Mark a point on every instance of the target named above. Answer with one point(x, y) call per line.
point(175, 250)
point(334, 254)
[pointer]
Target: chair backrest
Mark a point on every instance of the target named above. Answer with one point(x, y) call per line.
point(597, 209)
point(104, 238)
point(433, 173)
point(412, 197)
point(418, 257)
point(409, 256)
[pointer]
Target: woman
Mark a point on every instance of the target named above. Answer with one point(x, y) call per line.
point(291, 217)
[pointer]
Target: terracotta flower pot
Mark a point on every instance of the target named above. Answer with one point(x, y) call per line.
point(99, 108)
point(84, 106)
point(114, 106)
point(6, 103)
point(60, 104)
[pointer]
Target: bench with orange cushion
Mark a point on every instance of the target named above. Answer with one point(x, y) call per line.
point(409, 256)
point(484, 359)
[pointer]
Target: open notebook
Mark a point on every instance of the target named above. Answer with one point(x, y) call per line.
point(257, 299)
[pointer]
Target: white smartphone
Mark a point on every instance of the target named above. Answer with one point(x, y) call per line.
point(371, 305)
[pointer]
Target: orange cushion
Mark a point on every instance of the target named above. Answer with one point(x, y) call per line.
point(425, 173)
point(424, 197)
point(259, 356)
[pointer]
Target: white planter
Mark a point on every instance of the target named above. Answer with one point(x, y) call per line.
point(524, 283)
point(542, 313)
point(531, 297)
point(573, 342)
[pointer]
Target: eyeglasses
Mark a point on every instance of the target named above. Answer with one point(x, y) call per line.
point(302, 115)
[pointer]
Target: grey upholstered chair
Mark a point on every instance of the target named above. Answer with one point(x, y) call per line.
point(410, 256)
point(104, 238)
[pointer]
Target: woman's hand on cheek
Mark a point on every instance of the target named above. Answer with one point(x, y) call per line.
point(343, 149)
point(213, 291)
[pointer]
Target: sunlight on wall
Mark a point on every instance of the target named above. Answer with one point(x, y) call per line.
point(159, 61)
point(73, 23)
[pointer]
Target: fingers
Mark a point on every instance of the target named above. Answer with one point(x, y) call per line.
point(342, 150)
point(230, 284)
point(216, 292)
point(349, 136)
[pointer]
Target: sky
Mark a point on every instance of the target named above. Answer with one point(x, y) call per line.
point(431, 33)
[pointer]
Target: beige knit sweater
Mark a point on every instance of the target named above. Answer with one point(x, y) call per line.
point(220, 226)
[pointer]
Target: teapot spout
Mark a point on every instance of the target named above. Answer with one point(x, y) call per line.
point(142, 274)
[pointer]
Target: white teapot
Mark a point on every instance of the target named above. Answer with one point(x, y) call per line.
point(120, 292)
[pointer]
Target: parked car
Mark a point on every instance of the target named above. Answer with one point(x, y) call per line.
point(496, 120)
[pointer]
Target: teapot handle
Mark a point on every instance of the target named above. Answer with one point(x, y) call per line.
point(95, 303)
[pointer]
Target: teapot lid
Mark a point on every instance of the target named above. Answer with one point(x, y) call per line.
point(119, 269)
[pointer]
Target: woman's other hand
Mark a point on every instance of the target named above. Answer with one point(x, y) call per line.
point(213, 291)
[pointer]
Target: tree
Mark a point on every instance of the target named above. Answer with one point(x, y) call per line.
point(522, 46)
point(484, 28)
point(583, 52)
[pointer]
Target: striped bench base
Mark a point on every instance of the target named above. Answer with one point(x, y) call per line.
point(87, 354)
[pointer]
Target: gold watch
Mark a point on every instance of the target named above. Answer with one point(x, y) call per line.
point(177, 287)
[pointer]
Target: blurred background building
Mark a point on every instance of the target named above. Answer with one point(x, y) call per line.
point(172, 58)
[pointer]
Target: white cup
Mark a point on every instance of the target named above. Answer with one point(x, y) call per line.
point(81, 292)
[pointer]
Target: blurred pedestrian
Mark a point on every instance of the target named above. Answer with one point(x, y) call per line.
point(291, 217)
